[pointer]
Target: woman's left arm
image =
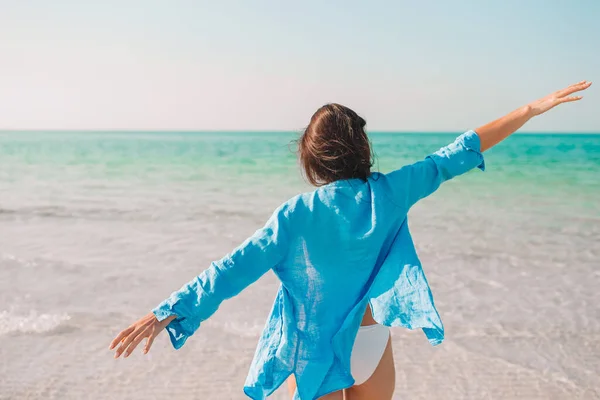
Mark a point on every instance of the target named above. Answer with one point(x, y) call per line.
point(182, 313)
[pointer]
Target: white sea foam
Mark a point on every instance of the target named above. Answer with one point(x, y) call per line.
point(10, 258)
point(11, 322)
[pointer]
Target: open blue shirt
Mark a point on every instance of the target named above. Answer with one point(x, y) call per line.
point(335, 249)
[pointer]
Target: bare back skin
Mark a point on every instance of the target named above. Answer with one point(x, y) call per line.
point(380, 386)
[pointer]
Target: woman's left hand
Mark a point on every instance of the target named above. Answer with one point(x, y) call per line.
point(146, 327)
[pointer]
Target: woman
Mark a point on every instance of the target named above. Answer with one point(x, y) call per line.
point(345, 259)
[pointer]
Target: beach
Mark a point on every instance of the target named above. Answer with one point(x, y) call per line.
point(96, 228)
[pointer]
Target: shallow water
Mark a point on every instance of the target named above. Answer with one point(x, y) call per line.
point(97, 228)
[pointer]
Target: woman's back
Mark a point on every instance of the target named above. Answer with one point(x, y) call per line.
point(337, 235)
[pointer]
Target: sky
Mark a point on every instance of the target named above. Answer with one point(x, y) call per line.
point(434, 65)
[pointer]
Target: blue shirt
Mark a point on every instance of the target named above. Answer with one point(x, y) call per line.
point(335, 249)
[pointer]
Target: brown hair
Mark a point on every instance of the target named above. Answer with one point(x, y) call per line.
point(335, 146)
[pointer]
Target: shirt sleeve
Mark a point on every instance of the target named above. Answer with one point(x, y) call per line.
point(199, 299)
point(414, 182)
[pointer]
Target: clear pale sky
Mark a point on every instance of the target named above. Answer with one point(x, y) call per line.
point(433, 65)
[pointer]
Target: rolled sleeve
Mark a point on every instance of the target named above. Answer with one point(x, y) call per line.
point(460, 156)
point(179, 329)
point(414, 182)
point(191, 304)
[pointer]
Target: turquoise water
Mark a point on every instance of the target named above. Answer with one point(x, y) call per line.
point(555, 170)
point(533, 158)
point(97, 227)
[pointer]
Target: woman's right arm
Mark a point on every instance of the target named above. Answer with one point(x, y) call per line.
point(414, 182)
point(494, 132)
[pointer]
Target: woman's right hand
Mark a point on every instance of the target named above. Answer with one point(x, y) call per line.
point(146, 327)
point(561, 96)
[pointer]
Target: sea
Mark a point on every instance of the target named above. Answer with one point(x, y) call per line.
point(96, 228)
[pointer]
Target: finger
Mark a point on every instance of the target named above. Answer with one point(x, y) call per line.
point(120, 337)
point(569, 99)
point(570, 87)
point(574, 88)
point(150, 340)
point(137, 341)
point(577, 84)
point(128, 340)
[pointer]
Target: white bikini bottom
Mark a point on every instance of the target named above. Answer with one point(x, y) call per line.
point(368, 349)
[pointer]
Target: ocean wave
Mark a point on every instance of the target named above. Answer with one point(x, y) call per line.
point(242, 329)
point(174, 213)
point(63, 212)
point(34, 323)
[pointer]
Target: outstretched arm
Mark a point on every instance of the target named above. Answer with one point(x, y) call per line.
point(413, 182)
point(494, 132)
point(182, 313)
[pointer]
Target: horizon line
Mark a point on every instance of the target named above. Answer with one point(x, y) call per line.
point(274, 131)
